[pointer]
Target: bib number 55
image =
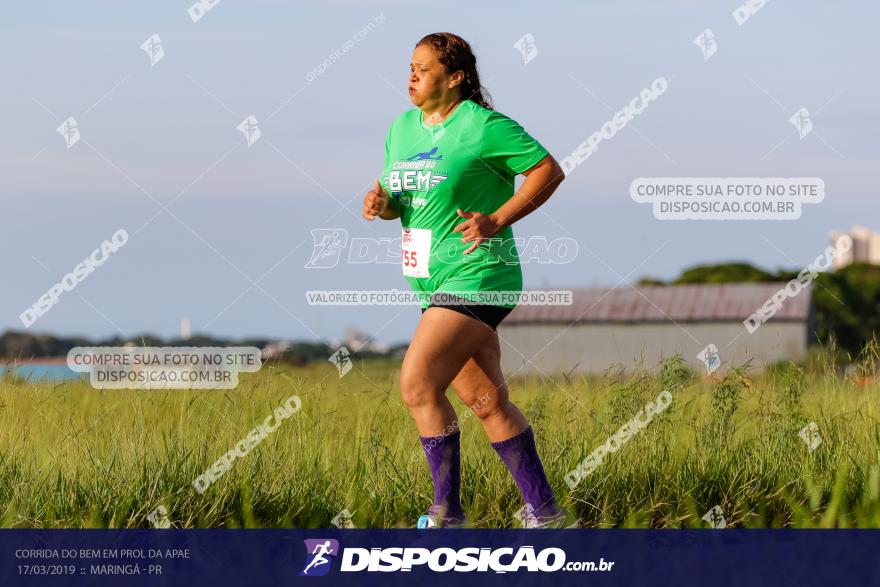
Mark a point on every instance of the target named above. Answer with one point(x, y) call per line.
point(416, 252)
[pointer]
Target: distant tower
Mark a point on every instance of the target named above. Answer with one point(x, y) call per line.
point(185, 328)
point(844, 259)
point(865, 247)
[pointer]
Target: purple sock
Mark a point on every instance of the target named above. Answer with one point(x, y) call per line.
point(521, 458)
point(444, 460)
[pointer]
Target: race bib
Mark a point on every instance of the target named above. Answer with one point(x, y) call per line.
point(416, 252)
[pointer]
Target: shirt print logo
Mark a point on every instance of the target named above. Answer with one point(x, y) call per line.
point(426, 156)
point(415, 174)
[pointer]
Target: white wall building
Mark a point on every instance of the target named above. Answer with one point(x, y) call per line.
point(604, 327)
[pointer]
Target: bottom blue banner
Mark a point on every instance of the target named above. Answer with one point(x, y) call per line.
point(397, 557)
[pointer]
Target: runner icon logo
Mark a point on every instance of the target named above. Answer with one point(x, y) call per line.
point(320, 555)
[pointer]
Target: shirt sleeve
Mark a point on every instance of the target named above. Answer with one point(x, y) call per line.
point(386, 169)
point(386, 165)
point(387, 149)
point(508, 147)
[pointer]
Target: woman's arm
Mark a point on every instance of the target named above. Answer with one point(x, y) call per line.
point(541, 181)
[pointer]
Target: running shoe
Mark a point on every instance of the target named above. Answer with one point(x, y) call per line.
point(558, 520)
point(435, 519)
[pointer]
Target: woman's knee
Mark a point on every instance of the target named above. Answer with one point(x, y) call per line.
point(416, 388)
point(488, 403)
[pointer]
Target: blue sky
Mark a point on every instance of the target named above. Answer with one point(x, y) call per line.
point(240, 215)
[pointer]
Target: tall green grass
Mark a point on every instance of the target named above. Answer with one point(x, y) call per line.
point(73, 456)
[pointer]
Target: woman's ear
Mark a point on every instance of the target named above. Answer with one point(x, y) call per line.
point(456, 78)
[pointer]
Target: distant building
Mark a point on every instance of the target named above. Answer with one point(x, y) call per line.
point(185, 328)
point(865, 247)
point(605, 326)
point(274, 350)
point(356, 341)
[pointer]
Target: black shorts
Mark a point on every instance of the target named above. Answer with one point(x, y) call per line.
point(489, 315)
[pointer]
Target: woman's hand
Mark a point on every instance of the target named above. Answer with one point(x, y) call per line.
point(478, 228)
point(375, 202)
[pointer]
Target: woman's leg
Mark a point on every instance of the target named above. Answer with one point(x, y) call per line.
point(442, 343)
point(480, 385)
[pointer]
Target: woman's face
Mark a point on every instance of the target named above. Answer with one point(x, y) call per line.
point(429, 84)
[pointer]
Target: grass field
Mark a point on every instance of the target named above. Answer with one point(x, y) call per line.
point(73, 456)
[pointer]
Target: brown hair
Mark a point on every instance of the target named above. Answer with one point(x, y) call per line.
point(455, 54)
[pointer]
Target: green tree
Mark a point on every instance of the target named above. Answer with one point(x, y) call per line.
point(724, 273)
point(847, 304)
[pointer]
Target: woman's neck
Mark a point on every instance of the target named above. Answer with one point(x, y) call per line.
point(440, 112)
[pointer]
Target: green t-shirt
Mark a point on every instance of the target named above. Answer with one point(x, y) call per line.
point(467, 162)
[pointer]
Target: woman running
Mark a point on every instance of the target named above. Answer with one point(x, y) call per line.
point(449, 172)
